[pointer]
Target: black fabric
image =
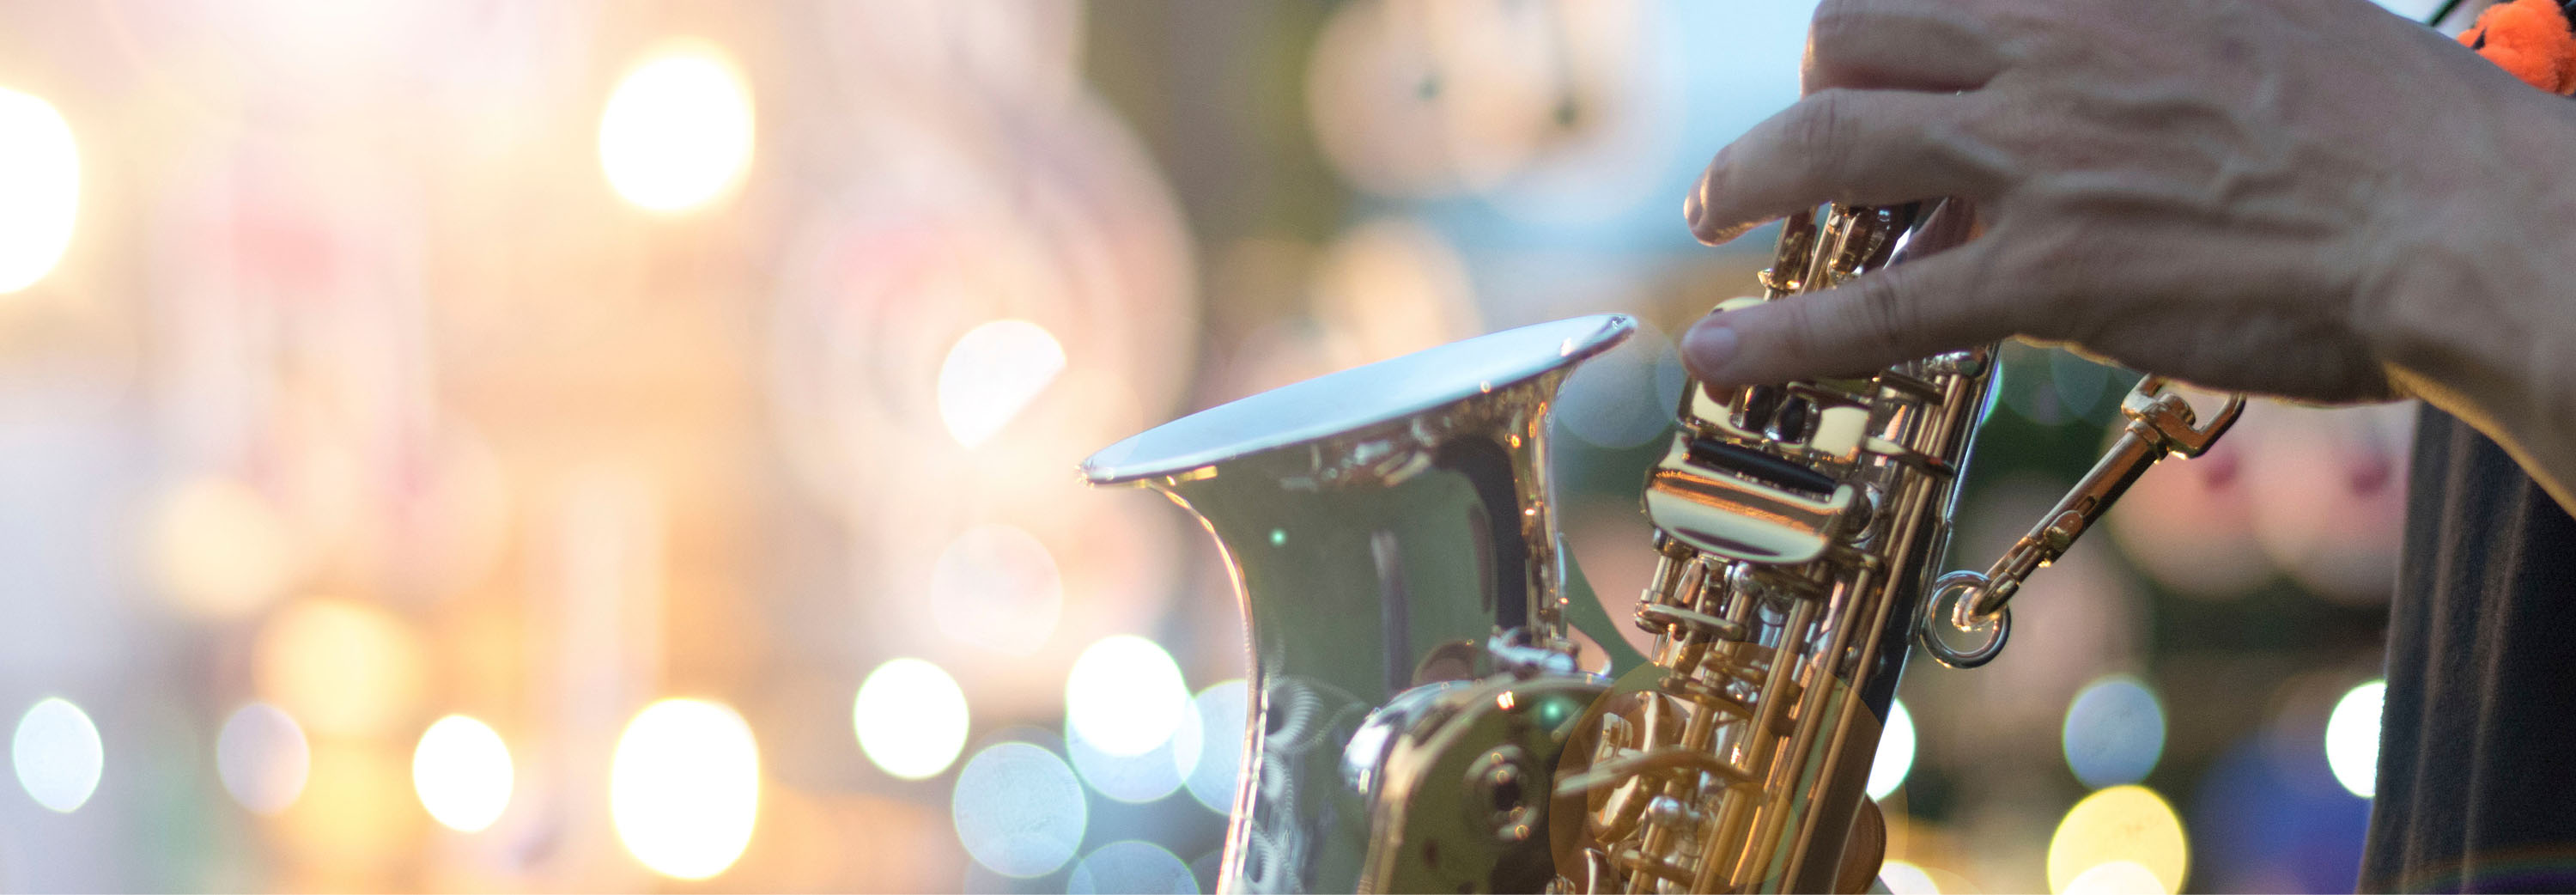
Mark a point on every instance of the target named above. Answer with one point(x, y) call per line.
point(2477, 747)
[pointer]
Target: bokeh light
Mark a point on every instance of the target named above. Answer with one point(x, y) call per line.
point(1390, 287)
point(684, 787)
point(2352, 738)
point(57, 754)
point(996, 587)
point(1895, 752)
point(910, 717)
point(463, 773)
point(2116, 878)
point(1223, 717)
point(1624, 398)
point(1421, 99)
point(543, 360)
point(2327, 487)
point(1125, 695)
point(2114, 732)
point(1145, 776)
point(262, 757)
point(1019, 810)
point(991, 374)
point(39, 189)
point(677, 132)
point(1131, 865)
point(342, 667)
point(2268, 816)
point(1903, 878)
point(218, 549)
point(2122, 823)
point(352, 819)
point(2189, 524)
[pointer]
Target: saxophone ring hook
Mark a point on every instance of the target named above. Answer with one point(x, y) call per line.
point(1948, 610)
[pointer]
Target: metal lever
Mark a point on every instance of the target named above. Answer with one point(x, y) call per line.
point(2161, 423)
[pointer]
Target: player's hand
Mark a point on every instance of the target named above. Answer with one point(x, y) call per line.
point(2292, 197)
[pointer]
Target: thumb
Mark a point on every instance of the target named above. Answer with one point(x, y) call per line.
point(1907, 311)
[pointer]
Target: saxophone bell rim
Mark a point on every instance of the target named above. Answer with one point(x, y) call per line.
point(1388, 391)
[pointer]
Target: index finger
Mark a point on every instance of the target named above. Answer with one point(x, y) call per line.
point(1860, 147)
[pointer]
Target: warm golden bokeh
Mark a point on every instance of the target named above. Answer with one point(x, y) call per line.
point(578, 446)
point(341, 668)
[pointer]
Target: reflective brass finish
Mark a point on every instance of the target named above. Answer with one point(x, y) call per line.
point(1795, 522)
point(2160, 424)
point(1383, 524)
point(1418, 722)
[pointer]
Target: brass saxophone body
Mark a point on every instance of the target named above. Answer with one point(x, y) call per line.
point(1419, 721)
point(1794, 526)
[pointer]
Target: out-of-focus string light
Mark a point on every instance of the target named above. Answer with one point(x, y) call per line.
point(677, 132)
point(2352, 738)
point(1125, 695)
point(1223, 716)
point(2122, 823)
point(1895, 752)
point(684, 787)
point(262, 758)
point(1019, 810)
point(1145, 776)
point(345, 668)
point(1130, 865)
point(57, 754)
point(991, 374)
point(2116, 878)
point(911, 718)
point(2114, 732)
point(996, 587)
point(463, 774)
point(39, 189)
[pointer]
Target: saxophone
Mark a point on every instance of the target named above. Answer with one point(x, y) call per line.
point(1419, 720)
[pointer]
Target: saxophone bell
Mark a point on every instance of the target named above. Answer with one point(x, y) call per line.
point(1391, 535)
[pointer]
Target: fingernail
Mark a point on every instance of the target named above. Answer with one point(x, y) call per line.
point(1709, 346)
point(1692, 208)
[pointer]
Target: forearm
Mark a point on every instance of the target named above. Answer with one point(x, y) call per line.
point(2485, 326)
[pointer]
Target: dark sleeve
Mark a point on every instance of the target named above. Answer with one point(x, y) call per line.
point(2477, 754)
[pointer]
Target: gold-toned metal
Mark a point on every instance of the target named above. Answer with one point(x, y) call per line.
point(1796, 522)
point(2161, 424)
point(1418, 720)
point(1392, 536)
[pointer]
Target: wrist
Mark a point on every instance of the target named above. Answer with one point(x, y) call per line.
point(2480, 303)
point(2480, 275)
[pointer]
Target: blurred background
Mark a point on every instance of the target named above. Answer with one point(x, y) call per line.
point(500, 446)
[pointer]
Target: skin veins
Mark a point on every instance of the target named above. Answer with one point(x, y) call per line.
point(2313, 199)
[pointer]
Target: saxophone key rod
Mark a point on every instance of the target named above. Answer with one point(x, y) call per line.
point(2161, 424)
